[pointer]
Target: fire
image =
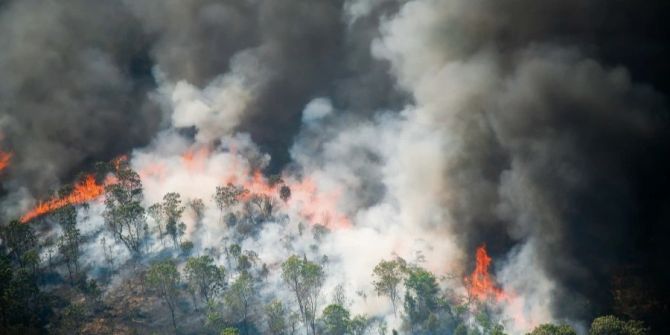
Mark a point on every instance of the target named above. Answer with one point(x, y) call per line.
point(85, 190)
point(480, 284)
point(314, 205)
point(5, 158)
point(194, 159)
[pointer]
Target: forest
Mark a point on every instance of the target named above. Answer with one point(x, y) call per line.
point(166, 286)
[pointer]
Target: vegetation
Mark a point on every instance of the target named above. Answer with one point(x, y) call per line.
point(48, 286)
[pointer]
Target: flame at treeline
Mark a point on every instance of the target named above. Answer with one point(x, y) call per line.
point(311, 203)
point(480, 283)
point(83, 191)
point(5, 158)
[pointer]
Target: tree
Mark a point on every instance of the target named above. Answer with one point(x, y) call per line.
point(24, 309)
point(304, 279)
point(230, 331)
point(20, 241)
point(611, 325)
point(284, 193)
point(163, 278)
point(228, 196)
point(551, 329)
point(72, 319)
point(173, 210)
point(388, 276)
point(421, 298)
point(198, 208)
point(157, 213)
point(359, 325)
point(124, 214)
point(264, 203)
point(275, 313)
point(239, 300)
point(204, 278)
point(335, 319)
point(70, 241)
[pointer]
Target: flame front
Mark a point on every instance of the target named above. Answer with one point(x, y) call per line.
point(480, 283)
point(5, 158)
point(83, 191)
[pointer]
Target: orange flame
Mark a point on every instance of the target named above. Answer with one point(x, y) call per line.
point(480, 284)
point(5, 158)
point(316, 206)
point(194, 159)
point(85, 190)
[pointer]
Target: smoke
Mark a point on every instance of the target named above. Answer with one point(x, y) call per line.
point(430, 127)
point(73, 88)
point(540, 142)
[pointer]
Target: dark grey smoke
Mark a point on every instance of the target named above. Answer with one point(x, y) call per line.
point(73, 88)
point(570, 151)
point(76, 73)
point(567, 152)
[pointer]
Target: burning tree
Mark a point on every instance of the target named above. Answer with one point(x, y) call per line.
point(481, 285)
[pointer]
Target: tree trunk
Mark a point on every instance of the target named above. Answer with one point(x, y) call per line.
point(174, 323)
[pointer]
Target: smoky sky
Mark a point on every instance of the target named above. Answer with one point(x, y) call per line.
point(76, 78)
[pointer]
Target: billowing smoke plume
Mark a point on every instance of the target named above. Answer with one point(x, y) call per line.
point(428, 126)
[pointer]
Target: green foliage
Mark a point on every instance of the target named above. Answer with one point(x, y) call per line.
point(359, 325)
point(19, 240)
point(335, 320)
point(69, 242)
point(487, 324)
point(124, 214)
point(611, 325)
point(551, 329)
point(421, 295)
point(204, 278)
point(276, 314)
point(239, 300)
point(388, 276)
point(304, 279)
point(157, 213)
point(230, 331)
point(173, 211)
point(24, 308)
point(163, 278)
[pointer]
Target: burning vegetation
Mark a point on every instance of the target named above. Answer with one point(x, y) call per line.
point(5, 159)
point(480, 283)
point(83, 191)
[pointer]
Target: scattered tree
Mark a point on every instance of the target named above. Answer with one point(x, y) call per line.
point(275, 313)
point(335, 320)
point(551, 329)
point(388, 276)
point(173, 210)
point(304, 279)
point(239, 299)
point(124, 214)
point(204, 278)
point(611, 325)
point(163, 278)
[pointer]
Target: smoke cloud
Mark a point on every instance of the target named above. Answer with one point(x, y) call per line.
point(430, 127)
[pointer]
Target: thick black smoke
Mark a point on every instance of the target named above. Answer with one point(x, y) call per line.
point(564, 141)
point(74, 86)
point(76, 73)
